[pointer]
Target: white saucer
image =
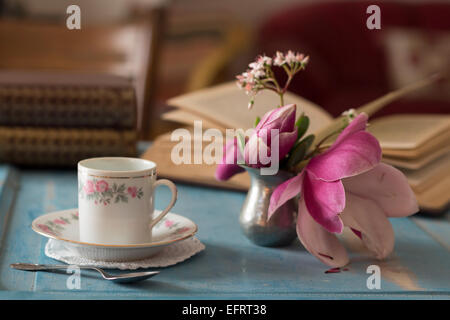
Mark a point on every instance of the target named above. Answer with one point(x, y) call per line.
point(63, 226)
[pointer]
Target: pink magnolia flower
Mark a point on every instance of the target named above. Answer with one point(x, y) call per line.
point(132, 191)
point(59, 221)
point(89, 187)
point(347, 185)
point(281, 119)
point(101, 186)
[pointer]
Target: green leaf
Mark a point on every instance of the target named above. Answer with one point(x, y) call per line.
point(257, 120)
point(107, 193)
point(302, 125)
point(121, 188)
point(300, 150)
point(123, 198)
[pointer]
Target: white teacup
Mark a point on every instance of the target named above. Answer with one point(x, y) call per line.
point(116, 200)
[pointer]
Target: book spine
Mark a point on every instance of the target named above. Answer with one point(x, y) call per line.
point(67, 106)
point(63, 147)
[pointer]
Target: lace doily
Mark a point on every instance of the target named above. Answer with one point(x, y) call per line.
point(168, 256)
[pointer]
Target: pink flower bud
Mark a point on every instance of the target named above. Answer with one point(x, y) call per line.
point(279, 123)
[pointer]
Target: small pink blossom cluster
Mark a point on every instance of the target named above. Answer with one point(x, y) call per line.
point(251, 80)
point(290, 58)
point(260, 75)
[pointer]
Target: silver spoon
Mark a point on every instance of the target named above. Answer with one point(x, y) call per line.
point(122, 278)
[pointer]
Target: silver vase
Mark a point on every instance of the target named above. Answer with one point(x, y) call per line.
point(280, 229)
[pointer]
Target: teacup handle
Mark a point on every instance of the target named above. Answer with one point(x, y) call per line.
point(174, 191)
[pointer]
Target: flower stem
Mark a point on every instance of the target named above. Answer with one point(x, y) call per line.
point(281, 99)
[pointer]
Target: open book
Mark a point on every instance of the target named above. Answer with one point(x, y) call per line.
point(416, 144)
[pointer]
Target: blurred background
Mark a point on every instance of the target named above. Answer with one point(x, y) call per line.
point(67, 94)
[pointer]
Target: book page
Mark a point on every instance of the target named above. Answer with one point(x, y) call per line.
point(408, 131)
point(425, 177)
point(437, 197)
point(226, 104)
point(416, 163)
point(433, 145)
point(188, 118)
point(203, 174)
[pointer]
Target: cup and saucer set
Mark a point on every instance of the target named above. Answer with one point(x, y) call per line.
point(115, 224)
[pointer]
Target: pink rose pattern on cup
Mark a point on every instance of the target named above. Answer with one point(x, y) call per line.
point(103, 194)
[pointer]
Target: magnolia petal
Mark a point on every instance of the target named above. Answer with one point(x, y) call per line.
point(286, 142)
point(388, 187)
point(228, 167)
point(260, 148)
point(365, 216)
point(282, 119)
point(357, 124)
point(355, 154)
point(284, 192)
point(226, 171)
point(324, 200)
point(263, 120)
point(255, 150)
point(319, 242)
point(289, 123)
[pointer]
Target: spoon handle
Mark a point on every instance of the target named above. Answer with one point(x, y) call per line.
point(37, 267)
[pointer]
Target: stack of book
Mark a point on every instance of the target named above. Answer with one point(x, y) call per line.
point(68, 95)
point(416, 144)
point(52, 119)
point(419, 145)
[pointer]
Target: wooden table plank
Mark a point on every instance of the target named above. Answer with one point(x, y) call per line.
point(437, 228)
point(230, 267)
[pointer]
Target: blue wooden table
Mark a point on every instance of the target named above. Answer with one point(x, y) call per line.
point(230, 267)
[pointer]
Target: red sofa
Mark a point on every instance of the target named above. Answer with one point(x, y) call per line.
point(348, 65)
